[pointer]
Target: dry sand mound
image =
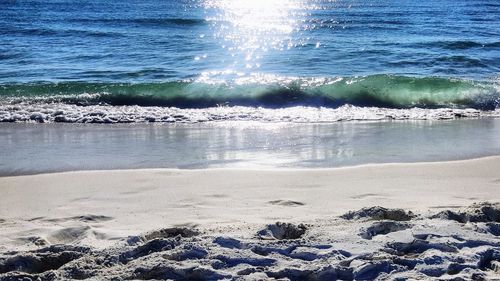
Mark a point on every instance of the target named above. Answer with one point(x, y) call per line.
point(479, 212)
point(379, 213)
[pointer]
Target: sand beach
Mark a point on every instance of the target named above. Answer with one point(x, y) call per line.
point(383, 221)
point(249, 140)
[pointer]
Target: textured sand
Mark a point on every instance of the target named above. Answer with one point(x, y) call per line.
point(221, 223)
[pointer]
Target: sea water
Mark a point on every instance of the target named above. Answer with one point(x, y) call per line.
point(268, 61)
point(33, 148)
point(274, 54)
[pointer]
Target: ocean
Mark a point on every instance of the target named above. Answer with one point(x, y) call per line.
point(208, 62)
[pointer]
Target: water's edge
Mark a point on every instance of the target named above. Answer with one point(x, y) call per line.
point(42, 148)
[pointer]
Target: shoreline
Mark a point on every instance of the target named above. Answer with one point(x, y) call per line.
point(33, 149)
point(253, 169)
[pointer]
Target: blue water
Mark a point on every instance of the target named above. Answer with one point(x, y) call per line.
point(102, 61)
point(274, 53)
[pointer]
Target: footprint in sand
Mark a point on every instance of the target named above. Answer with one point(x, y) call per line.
point(35, 240)
point(36, 219)
point(81, 199)
point(288, 203)
point(217, 196)
point(382, 228)
point(367, 195)
point(82, 218)
point(40, 261)
point(282, 231)
point(467, 198)
point(446, 207)
point(69, 235)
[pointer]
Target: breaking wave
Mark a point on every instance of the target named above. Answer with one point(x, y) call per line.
point(384, 91)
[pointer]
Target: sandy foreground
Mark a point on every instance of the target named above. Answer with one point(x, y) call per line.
point(435, 220)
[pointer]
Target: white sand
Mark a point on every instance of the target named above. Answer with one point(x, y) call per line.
point(101, 208)
point(141, 200)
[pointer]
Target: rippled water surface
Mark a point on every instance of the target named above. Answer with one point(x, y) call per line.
point(57, 58)
point(153, 40)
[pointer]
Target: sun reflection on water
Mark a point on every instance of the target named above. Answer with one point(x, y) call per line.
point(250, 30)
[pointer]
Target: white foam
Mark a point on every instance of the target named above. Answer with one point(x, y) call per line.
point(68, 113)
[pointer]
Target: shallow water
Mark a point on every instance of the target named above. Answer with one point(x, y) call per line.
point(35, 148)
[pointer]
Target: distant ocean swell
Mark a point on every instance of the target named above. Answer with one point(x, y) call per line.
point(384, 91)
point(169, 22)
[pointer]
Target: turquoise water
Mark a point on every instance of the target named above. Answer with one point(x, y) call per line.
point(275, 54)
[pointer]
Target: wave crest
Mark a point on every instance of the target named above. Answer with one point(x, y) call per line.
point(386, 91)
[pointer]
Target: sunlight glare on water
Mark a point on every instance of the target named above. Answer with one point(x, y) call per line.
point(156, 41)
point(250, 30)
